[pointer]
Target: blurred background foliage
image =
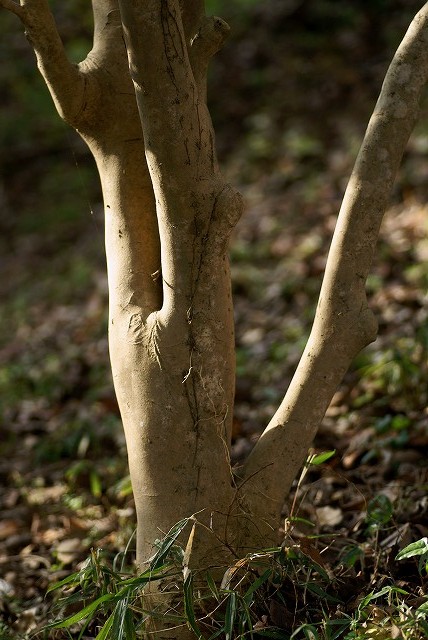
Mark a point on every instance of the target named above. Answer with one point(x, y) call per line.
point(290, 94)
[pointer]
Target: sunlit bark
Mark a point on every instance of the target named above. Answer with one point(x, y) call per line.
point(178, 407)
point(139, 101)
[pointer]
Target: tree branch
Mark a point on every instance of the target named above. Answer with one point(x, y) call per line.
point(343, 324)
point(179, 141)
point(166, 89)
point(63, 79)
point(15, 8)
point(193, 12)
point(97, 98)
point(206, 42)
point(112, 128)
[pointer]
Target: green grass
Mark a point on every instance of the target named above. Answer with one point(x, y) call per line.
point(287, 593)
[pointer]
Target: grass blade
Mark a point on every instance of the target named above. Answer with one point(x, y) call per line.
point(212, 587)
point(103, 634)
point(322, 457)
point(83, 613)
point(189, 609)
point(272, 633)
point(256, 584)
point(130, 633)
point(229, 618)
point(74, 577)
point(118, 629)
point(166, 544)
point(414, 549)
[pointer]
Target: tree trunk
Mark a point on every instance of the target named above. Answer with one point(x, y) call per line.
point(141, 108)
point(177, 406)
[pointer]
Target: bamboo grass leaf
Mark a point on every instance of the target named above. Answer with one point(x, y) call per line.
point(229, 618)
point(104, 633)
point(83, 613)
point(118, 628)
point(322, 457)
point(166, 543)
point(418, 548)
point(74, 577)
point(189, 609)
point(256, 584)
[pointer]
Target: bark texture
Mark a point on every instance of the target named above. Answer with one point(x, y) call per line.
point(139, 101)
point(176, 397)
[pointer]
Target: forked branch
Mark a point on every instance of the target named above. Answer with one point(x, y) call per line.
point(193, 200)
point(343, 323)
point(176, 128)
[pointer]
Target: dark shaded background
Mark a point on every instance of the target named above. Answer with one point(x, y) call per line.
point(291, 94)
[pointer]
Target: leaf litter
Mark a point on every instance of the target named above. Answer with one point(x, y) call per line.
point(63, 468)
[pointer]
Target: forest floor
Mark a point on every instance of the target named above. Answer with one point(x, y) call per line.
point(65, 486)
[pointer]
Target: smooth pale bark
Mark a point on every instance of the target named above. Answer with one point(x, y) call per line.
point(97, 98)
point(171, 320)
point(343, 323)
point(141, 108)
point(177, 407)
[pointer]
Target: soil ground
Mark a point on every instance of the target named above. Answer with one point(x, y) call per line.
point(291, 95)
